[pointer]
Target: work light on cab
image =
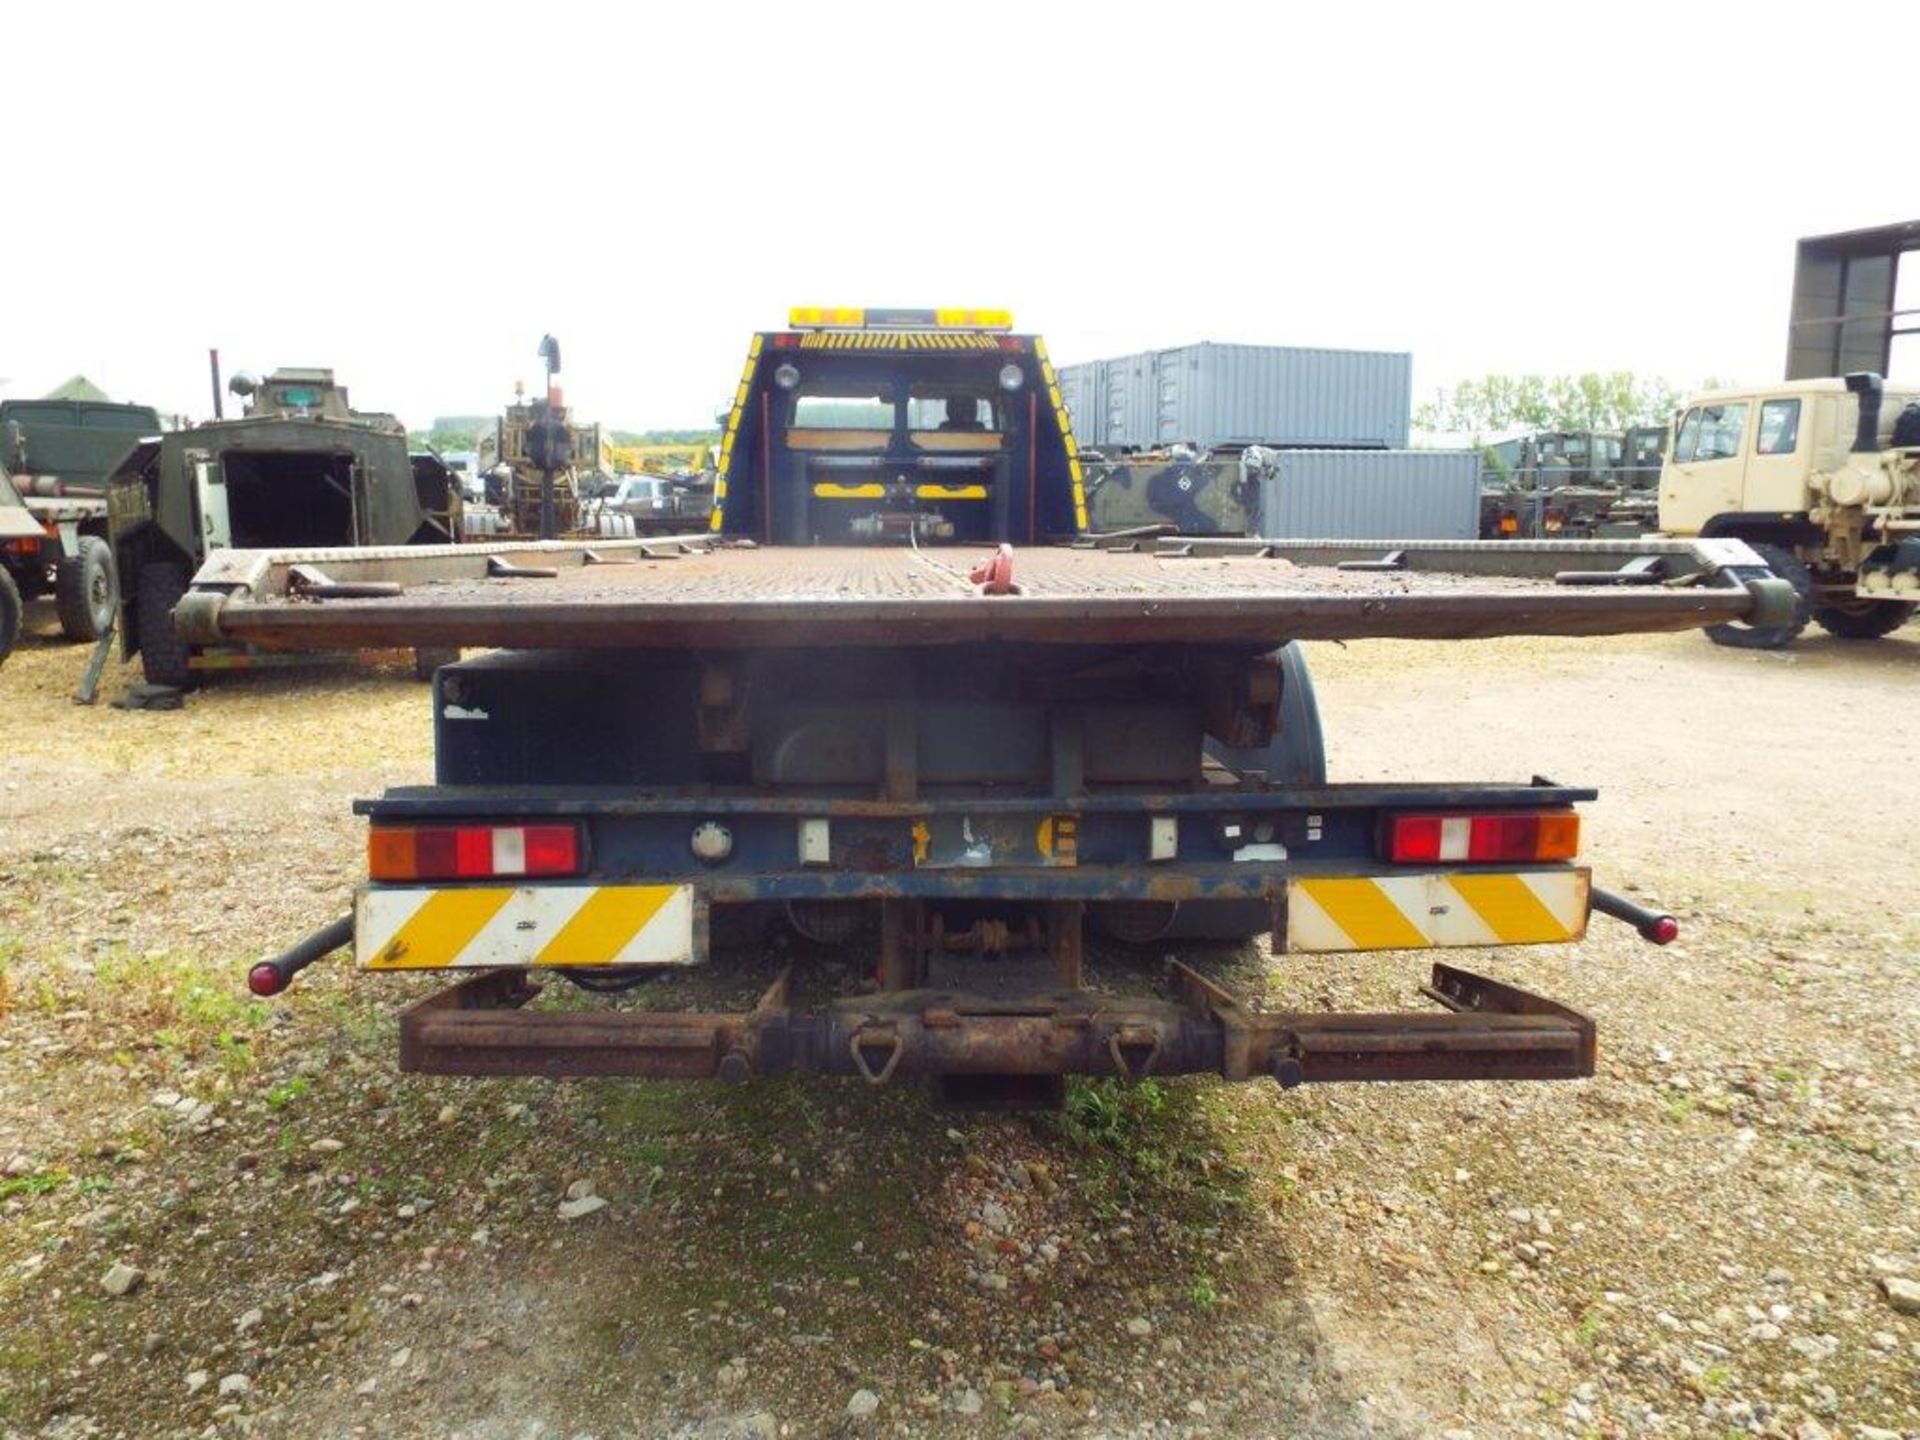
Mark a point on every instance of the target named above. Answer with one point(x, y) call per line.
point(1481, 839)
point(472, 852)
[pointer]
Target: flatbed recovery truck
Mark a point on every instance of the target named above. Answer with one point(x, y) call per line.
point(897, 692)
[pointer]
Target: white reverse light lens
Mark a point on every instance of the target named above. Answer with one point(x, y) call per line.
point(786, 376)
point(1012, 377)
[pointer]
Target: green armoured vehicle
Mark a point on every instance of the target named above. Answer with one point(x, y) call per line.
point(1179, 489)
point(59, 452)
point(301, 469)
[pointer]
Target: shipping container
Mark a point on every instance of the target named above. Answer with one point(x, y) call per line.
point(1212, 395)
point(1371, 495)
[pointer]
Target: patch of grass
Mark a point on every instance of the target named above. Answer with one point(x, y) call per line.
point(286, 1092)
point(1154, 1147)
point(184, 1006)
point(1679, 1107)
point(1202, 1296)
point(41, 1182)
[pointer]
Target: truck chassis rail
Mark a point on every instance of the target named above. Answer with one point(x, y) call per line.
point(1487, 1031)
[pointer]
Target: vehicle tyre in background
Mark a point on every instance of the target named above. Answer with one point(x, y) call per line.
point(84, 592)
point(10, 611)
point(163, 654)
point(430, 659)
point(1297, 754)
point(1741, 636)
point(1863, 619)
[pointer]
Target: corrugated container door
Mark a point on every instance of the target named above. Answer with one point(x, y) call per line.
point(1372, 495)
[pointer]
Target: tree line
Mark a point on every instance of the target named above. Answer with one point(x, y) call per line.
point(1610, 400)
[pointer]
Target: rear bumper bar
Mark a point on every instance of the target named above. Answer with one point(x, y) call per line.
point(1485, 1031)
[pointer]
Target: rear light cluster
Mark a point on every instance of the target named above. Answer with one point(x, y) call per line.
point(472, 852)
point(1482, 839)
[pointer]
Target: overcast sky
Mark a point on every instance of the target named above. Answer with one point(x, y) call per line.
point(415, 199)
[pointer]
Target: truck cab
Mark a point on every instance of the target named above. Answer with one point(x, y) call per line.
point(856, 426)
point(1807, 472)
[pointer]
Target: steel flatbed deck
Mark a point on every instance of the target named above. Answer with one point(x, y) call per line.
point(692, 591)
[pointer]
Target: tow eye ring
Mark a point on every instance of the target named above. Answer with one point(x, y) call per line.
point(1134, 1049)
point(868, 1046)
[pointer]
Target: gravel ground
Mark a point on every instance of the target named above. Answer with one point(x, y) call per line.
point(1707, 1239)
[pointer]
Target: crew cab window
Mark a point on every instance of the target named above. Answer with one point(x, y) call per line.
point(1710, 432)
point(853, 410)
point(1779, 427)
point(943, 408)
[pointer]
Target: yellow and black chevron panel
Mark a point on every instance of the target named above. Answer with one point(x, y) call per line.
point(723, 466)
point(1438, 909)
point(895, 340)
point(422, 928)
point(1065, 421)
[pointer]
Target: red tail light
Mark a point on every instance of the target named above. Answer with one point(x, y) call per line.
point(1481, 839)
point(472, 852)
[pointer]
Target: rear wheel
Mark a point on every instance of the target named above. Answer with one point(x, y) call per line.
point(430, 659)
point(1862, 619)
point(1741, 636)
point(84, 591)
point(1297, 754)
point(9, 614)
point(163, 654)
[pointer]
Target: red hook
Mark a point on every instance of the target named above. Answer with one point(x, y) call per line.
point(994, 575)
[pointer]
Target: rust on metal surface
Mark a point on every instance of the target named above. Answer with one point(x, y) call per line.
point(737, 598)
point(1490, 1031)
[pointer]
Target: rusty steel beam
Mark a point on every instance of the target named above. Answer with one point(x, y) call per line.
point(1491, 1031)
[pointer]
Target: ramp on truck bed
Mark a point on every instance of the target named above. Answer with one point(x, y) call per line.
point(695, 591)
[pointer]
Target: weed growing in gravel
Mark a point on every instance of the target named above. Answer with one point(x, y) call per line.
point(41, 1182)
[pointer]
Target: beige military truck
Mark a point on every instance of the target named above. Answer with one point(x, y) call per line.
point(1822, 477)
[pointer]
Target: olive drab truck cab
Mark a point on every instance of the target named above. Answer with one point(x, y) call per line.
point(899, 700)
point(301, 468)
point(59, 452)
point(1822, 477)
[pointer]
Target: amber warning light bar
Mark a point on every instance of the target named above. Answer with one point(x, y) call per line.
point(820, 317)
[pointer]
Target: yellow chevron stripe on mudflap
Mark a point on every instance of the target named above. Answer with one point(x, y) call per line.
point(440, 929)
point(465, 926)
point(605, 925)
point(1364, 913)
point(1511, 909)
point(1437, 909)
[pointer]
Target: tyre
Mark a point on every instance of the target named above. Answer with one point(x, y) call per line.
point(1297, 754)
point(430, 659)
point(163, 654)
point(1740, 636)
point(84, 592)
point(10, 611)
point(1862, 619)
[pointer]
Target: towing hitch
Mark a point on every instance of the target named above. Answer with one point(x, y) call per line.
point(1485, 1031)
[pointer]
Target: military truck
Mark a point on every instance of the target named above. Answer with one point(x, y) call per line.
point(1819, 476)
point(17, 527)
point(301, 468)
point(59, 453)
point(879, 704)
point(1572, 484)
point(514, 478)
